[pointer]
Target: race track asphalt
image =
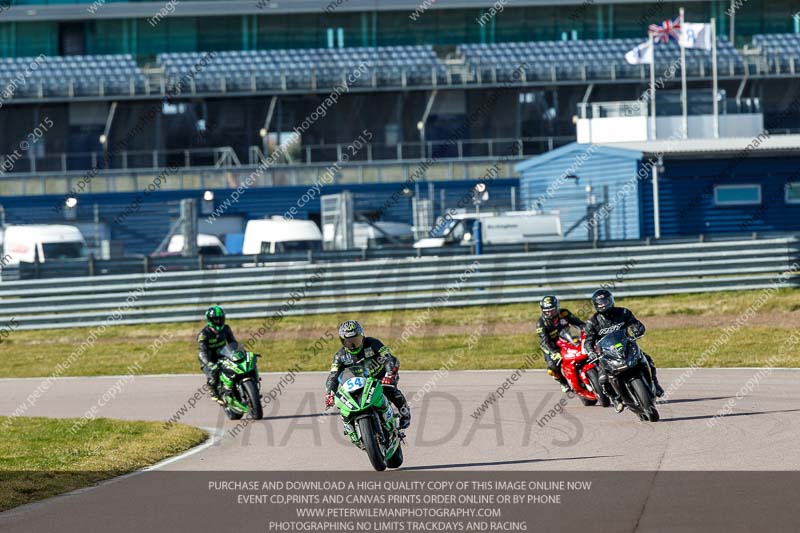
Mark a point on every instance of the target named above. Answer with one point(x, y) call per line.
point(298, 434)
point(760, 433)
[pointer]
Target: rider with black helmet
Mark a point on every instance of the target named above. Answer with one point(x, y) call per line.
point(358, 349)
point(610, 318)
point(550, 324)
point(212, 338)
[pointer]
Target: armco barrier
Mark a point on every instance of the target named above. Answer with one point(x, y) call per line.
point(393, 284)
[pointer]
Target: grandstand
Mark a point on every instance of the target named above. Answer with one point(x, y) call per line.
point(248, 72)
point(443, 97)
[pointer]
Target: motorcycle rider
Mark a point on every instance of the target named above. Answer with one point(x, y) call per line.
point(551, 323)
point(358, 349)
point(607, 319)
point(211, 339)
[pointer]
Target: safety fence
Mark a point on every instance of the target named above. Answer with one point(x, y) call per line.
point(303, 288)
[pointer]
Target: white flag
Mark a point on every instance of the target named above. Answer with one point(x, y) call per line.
point(695, 35)
point(643, 53)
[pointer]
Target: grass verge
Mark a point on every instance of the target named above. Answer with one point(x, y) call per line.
point(680, 328)
point(39, 457)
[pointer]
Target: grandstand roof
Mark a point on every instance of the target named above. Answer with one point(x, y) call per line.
point(710, 147)
point(189, 8)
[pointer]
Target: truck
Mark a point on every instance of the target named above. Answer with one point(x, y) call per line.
point(27, 243)
point(512, 227)
point(382, 235)
point(278, 235)
point(206, 245)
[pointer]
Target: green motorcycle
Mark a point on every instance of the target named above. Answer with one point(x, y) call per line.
point(240, 383)
point(370, 417)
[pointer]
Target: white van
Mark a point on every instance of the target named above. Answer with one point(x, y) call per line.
point(23, 243)
point(382, 235)
point(277, 235)
point(206, 245)
point(512, 227)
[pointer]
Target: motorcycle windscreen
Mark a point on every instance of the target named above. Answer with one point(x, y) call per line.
point(350, 372)
point(233, 351)
point(614, 343)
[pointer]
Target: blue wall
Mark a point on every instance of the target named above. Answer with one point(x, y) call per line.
point(685, 190)
point(687, 199)
point(142, 231)
point(595, 166)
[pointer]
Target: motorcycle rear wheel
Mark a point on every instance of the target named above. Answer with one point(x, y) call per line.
point(370, 439)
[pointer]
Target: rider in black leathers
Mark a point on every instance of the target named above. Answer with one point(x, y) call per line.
point(211, 339)
point(358, 349)
point(550, 324)
point(607, 319)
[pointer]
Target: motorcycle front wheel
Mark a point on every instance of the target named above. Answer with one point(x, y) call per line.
point(396, 460)
point(645, 399)
point(594, 378)
point(370, 439)
point(253, 399)
point(231, 414)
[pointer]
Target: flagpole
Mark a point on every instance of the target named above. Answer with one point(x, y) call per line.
point(684, 98)
point(652, 89)
point(714, 82)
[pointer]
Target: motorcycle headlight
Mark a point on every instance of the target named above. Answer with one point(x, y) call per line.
point(617, 363)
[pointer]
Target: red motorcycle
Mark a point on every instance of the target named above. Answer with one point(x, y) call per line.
point(580, 371)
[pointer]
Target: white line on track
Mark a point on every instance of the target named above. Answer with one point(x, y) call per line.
point(215, 437)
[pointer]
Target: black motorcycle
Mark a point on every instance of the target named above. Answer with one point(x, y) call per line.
point(623, 362)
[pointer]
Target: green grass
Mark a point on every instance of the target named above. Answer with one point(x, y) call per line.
point(507, 339)
point(40, 457)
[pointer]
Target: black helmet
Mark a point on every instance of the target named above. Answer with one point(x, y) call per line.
point(550, 306)
point(215, 317)
point(603, 301)
point(352, 336)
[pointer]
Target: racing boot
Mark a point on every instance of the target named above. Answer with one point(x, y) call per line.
point(223, 391)
point(215, 391)
point(558, 376)
point(656, 384)
point(405, 417)
point(396, 397)
point(565, 388)
point(611, 393)
point(618, 405)
point(350, 431)
point(216, 394)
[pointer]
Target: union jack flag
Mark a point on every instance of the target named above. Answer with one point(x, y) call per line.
point(670, 29)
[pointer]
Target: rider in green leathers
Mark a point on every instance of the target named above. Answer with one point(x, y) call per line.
point(358, 349)
point(211, 339)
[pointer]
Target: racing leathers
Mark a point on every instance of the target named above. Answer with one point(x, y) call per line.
point(210, 342)
point(381, 364)
point(548, 330)
point(616, 318)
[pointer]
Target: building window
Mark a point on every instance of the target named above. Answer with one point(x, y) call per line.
point(793, 193)
point(737, 195)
